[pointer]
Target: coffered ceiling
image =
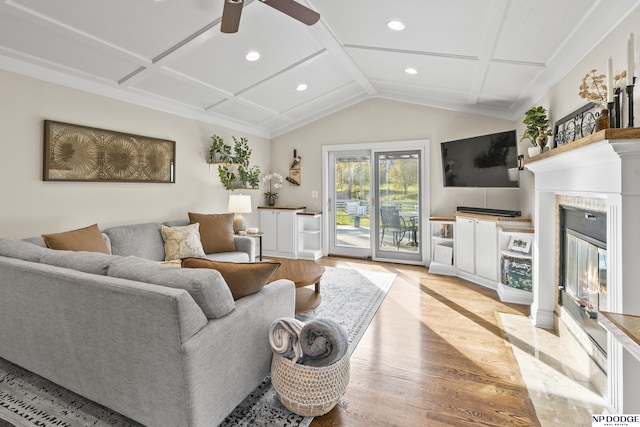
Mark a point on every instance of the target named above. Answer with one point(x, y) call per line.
point(491, 57)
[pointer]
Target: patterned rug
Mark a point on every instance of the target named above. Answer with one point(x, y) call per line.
point(350, 297)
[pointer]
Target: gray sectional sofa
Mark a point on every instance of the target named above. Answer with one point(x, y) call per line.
point(173, 349)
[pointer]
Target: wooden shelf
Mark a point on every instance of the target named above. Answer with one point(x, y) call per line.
point(283, 207)
point(608, 134)
point(494, 217)
point(625, 328)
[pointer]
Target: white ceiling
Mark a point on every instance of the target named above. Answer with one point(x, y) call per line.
point(491, 57)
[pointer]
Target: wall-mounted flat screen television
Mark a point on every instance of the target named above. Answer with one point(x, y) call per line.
point(481, 161)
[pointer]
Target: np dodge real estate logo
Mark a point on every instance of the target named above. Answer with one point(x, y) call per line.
point(615, 420)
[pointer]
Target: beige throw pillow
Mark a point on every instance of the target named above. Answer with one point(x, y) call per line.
point(181, 242)
point(216, 232)
point(82, 239)
point(243, 278)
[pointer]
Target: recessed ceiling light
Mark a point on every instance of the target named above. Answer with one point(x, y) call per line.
point(411, 71)
point(301, 87)
point(395, 25)
point(252, 56)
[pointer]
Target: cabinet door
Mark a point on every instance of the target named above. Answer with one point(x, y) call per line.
point(286, 232)
point(465, 245)
point(486, 248)
point(268, 225)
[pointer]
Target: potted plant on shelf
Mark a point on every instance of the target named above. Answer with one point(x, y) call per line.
point(234, 170)
point(537, 130)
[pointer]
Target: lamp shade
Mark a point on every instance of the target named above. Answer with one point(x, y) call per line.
point(239, 203)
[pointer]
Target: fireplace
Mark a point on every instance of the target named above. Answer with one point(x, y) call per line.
point(602, 171)
point(583, 269)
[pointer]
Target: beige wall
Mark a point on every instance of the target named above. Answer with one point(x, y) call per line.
point(29, 206)
point(379, 120)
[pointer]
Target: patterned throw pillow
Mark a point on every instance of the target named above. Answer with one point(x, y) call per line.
point(182, 242)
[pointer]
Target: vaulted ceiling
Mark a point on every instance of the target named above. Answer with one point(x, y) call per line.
point(491, 57)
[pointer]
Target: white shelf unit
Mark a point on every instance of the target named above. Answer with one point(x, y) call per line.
point(520, 265)
point(309, 235)
point(442, 246)
point(279, 225)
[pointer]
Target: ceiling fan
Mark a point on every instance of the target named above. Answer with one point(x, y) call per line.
point(233, 9)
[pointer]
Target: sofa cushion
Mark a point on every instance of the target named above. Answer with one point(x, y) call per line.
point(82, 239)
point(142, 240)
point(20, 249)
point(216, 231)
point(181, 242)
point(243, 278)
point(89, 262)
point(206, 287)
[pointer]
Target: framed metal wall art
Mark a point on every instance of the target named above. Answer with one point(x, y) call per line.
point(82, 153)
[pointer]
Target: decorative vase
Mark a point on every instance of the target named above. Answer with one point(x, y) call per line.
point(542, 139)
point(271, 200)
point(603, 120)
point(533, 151)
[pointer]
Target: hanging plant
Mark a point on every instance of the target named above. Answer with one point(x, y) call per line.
point(234, 170)
point(219, 152)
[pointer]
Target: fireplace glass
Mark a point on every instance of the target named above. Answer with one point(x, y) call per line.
point(586, 273)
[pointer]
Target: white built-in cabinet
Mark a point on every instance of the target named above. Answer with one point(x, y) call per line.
point(477, 250)
point(477, 244)
point(280, 228)
point(291, 232)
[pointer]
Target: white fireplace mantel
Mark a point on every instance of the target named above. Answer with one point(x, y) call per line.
point(606, 166)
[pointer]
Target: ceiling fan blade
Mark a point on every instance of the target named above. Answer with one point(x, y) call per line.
point(231, 16)
point(294, 10)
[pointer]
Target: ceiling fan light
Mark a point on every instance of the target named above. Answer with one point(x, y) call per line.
point(252, 56)
point(411, 71)
point(395, 25)
point(301, 87)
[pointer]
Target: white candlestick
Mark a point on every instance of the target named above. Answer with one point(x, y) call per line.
point(630, 59)
point(609, 80)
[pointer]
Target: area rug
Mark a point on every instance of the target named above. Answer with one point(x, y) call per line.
point(350, 297)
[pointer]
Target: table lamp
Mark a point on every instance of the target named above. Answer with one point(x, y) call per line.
point(239, 204)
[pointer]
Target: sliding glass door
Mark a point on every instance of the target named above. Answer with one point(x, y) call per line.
point(375, 203)
point(351, 203)
point(397, 179)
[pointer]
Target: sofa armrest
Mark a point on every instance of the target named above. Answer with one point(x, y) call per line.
point(246, 244)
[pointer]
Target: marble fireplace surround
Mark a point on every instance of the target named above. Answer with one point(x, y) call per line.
point(603, 168)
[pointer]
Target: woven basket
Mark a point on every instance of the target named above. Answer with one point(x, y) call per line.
point(308, 390)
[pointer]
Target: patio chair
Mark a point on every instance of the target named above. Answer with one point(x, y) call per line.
point(390, 220)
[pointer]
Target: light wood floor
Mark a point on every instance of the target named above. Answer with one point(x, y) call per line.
point(434, 355)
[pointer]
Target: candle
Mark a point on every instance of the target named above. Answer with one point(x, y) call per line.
point(609, 80)
point(630, 59)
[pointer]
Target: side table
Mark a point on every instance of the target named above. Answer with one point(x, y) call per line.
point(257, 235)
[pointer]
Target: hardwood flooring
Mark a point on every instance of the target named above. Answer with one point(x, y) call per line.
point(434, 355)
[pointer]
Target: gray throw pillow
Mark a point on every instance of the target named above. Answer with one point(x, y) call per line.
point(89, 262)
point(207, 287)
point(20, 249)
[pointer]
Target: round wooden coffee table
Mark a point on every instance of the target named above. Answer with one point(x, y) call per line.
point(303, 273)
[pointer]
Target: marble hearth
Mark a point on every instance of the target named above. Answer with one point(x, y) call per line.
point(601, 170)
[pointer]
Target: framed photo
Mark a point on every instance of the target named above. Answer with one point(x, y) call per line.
point(520, 244)
point(443, 254)
point(82, 153)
